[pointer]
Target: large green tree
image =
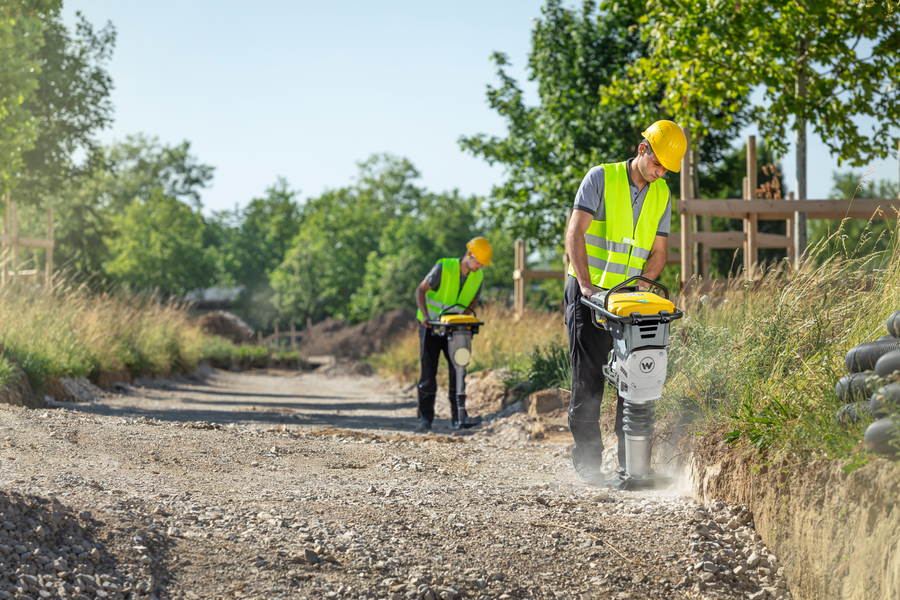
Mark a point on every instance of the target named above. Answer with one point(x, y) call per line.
point(822, 62)
point(22, 27)
point(575, 54)
point(159, 244)
point(326, 262)
point(70, 105)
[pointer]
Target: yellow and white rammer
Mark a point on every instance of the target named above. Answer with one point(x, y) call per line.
point(638, 322)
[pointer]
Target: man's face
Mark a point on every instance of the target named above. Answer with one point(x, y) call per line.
point(648, 165)
point(473, 263)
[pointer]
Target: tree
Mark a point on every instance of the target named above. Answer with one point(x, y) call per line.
point(803, 56)
point(22, 26)
point(326, 262)
point(549, 147)
point(70, 105)
point(408, 248)
point(159, 245)
point(248, 244)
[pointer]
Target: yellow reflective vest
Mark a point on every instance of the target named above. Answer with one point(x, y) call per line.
point(448, 293)
point(617, 248)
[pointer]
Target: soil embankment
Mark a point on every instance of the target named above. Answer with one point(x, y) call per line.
point(838, 533)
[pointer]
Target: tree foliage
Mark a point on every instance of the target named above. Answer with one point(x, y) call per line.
point(575, 55)
point(827, 62)
point(22, 26)
point(159, 244)
point(70, 105)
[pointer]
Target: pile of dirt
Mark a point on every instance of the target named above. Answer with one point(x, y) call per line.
point(226, 325)
point(336, 338)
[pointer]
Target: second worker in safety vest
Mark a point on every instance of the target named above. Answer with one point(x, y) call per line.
point(451, 287)
point(617, 230)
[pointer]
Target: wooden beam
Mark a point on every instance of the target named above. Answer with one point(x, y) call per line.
point(48, 266)
point(25, 242)
point(778, 210)
point(686, 240)
point(673, 258)
point(526, 274)
point(14, 241)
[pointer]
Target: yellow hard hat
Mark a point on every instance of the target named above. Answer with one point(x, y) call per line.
point(480, 249)
point(668, 143)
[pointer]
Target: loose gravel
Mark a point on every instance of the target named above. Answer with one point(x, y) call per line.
point(129, 502)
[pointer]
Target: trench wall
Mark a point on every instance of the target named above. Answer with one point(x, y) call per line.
point(836, 533)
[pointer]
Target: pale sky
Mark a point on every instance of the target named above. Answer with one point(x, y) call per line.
point(305, 90)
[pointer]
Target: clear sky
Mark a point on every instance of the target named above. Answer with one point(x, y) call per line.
point(305, 90)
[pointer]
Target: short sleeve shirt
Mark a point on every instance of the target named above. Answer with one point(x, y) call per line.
point(433, 279)
point(590, 199)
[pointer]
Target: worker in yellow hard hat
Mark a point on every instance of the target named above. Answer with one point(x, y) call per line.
point(452, 286)
point(617, 230)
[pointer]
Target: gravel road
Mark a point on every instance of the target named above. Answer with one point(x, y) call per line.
point(278, 485)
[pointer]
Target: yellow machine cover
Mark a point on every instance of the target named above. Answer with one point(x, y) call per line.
point(461, 319)
point(643, 303)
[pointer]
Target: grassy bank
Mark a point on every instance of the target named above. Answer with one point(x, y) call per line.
point(71, 331)
point(760, 362)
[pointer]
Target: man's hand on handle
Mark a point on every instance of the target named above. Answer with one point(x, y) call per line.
point(588, 289)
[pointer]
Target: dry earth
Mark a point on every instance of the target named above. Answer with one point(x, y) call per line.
point(278, 486)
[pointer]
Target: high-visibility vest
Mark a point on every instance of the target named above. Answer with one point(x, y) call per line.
point(449, 293)
point(616, 248)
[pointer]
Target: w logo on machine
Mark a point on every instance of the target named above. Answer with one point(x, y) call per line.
point(647, 365)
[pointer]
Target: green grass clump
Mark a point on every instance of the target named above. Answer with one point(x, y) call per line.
point(760, 361)
point(71, 331)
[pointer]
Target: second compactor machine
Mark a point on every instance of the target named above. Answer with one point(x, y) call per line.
point(639, 323)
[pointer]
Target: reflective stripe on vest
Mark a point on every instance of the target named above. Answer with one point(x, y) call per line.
point(448, 293)
point(617, 248)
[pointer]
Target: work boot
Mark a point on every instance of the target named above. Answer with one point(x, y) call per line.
point(591, 476)
point(465, 421)
point(424, 426)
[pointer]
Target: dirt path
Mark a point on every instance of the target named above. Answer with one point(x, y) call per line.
point(274, 486)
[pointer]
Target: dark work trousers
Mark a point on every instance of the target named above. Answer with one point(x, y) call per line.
point(430, 348)
point(589, 349)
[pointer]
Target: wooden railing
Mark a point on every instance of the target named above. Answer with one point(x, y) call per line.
point(11, 242)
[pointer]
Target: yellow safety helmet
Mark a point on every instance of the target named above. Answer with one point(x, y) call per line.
point(668, 143)
point(480, 249)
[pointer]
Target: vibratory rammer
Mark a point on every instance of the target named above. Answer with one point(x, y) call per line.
point(459, 329)
point(639, 325)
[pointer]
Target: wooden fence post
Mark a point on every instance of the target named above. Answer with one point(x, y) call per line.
point(789, 233)
point(48, 268)
point(15, 240)
point(566, 252)
point(5, 262)
point(277, 339)
point(293, 336)
point(519, 283)
point(685, 218)
point(751, 221)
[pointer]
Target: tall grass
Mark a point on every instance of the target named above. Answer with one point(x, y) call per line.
point(760, 361)
point(503, 341)
point(71, 331)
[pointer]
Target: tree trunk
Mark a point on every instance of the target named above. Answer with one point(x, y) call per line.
point(800, 217)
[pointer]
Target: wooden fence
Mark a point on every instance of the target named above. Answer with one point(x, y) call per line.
point(11, 242)
point(750, 209)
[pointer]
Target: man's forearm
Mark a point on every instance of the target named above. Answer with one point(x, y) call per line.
point(578, 256)
point(655, 264)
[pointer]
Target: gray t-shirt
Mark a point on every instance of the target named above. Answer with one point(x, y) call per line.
point(590, 199)
point(434, 279)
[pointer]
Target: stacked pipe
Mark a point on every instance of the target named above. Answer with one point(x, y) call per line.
point(872, 386)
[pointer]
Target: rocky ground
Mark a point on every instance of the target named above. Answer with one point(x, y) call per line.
point(303, 486)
